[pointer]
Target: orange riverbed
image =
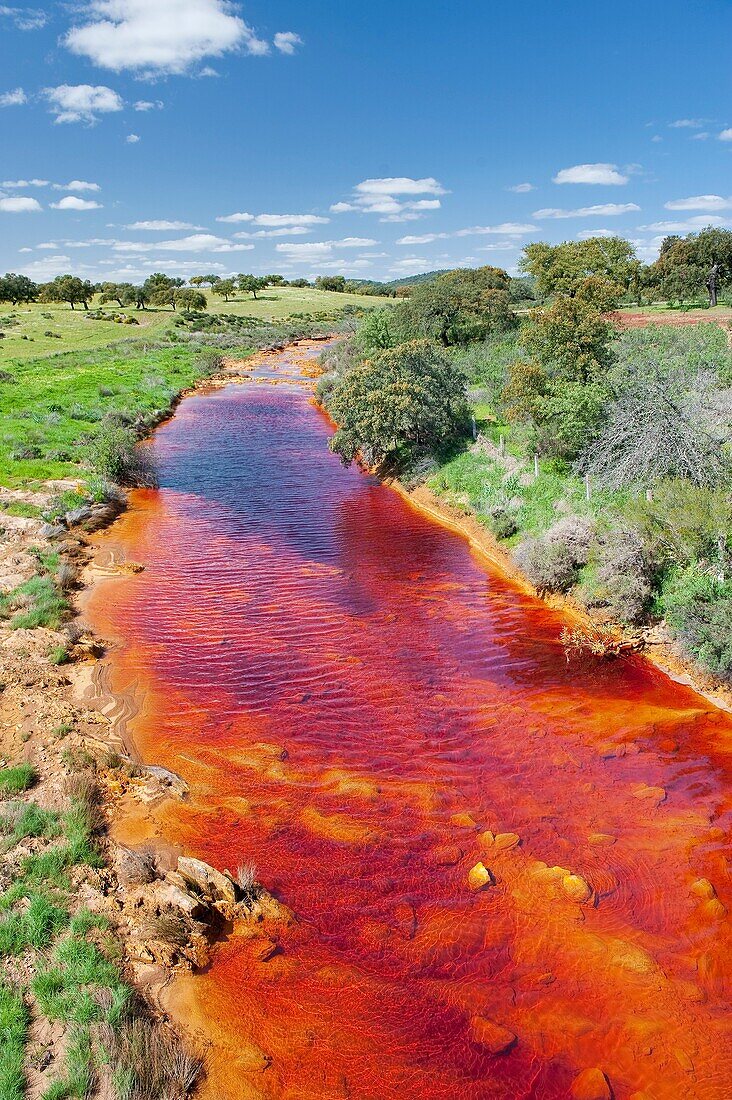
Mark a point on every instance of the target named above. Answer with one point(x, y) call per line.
point(354, 701)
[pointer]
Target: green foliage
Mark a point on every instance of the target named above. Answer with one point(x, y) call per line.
point(32, 820)
point(570, 340)
point(14, 1022)
point(458, 307)
point(569, 416)
point(17, 779)
point(113, 453)
point(377, 331)
point(699, 607)
point(597, 271)
point(405, 397)
point(36, 926)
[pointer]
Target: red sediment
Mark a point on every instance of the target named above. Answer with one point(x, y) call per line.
point(366, 713)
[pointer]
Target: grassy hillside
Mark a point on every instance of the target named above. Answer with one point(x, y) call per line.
point(31, 331)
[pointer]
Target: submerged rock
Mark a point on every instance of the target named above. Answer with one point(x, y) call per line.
point(576, 888)
point(506, 841)
point(591, 1084)
point(494, 1037)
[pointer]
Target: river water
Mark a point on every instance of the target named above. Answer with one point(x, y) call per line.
point(355, 700)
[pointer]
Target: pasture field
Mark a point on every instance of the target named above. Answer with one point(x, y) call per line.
point(34, 330)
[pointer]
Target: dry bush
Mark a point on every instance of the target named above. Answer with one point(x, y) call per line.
point(588, 641)
point(150, 1063)
point(67, 576)
point(170, 927)
point(246, 880)
point(552, 562)
point(625, 574)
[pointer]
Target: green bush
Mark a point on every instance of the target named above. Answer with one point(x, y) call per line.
point(14, 1020)
point(699, 607)
point(16, 780)
point(113, 453)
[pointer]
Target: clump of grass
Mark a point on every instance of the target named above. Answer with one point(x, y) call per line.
point(149, 1062)
point(32, 820)
point(14, 1021)
point(246, 880)
point(35, 926)
point(17, 779)
point(59, 655)
point(172, 928)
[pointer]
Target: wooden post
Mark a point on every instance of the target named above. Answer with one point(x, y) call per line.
point(502, 446)
point(474, 427)
point(649, 495)
point(536, 466)
point(588, 491)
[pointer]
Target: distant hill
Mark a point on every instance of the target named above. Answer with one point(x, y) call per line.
point(408, 280)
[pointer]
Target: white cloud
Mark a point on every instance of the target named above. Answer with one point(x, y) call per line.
point(19, 204)
point(240, 217)
point(285, 231)
point(588, 234)
point(148, 105)
point(132, 139)
point(196, 242)
point(10, 184)
point(77, 185)
point(320, 250)
point(25, 19)
point(607, 174)
point(521, 188)
point(73, 202)
point(161, 225)
point(602, 210)
point(691, 225)
point(82, 102)
point(16, 98)
point(386, 196)
point(700, 202)
point(287, 41)
point(702, 136)
point(505, 229)
point(424, 238)
point(726, 135)
point(409, 263)
point(288, 219)
point(161, 37)
point(687, 124)
point(47, 268)
point(498, 246)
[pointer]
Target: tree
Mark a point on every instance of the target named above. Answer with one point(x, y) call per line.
point(457, 307)
point(225, 288)
point(377, 331)
point(599, 270)
point(298, 283)
point(160, 289)
point(250, 284)
point(197, 280)
point(67, 288)
point(335, 283)
point(210, 280)
point(193, 301)
point(274, 280)
point(122, 293)
point(681, 272)
point(17, 288)
point(405, 397)
point(570, 339)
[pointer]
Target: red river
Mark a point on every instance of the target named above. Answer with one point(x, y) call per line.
point(360, 706)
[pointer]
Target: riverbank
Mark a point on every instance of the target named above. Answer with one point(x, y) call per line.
point(65, 764)
point(654, 644)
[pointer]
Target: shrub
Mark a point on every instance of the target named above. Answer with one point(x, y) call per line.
point(16, 780)
point(699, 608)
point(113, 453)
point(552, 562)
point(625, 573)
point(14, 1020)
point(149, 1062)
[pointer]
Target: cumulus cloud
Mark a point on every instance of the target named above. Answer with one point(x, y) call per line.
point(423, 238)
point(19, 204)
point(196, 242)
point(160, 38)
point(691, 225)
point(77, 185)
point(521, 188)
point(10, 184)
point(687, 124)
point(726, 135)
point(504, 229)
point(602, 210)
point(274, 220)
point(589, 234)
point(16, 98)
point(25, 19)
point(320, 250)
point(161, 225)
point(607, 174)
point(700, 202)
point(285, 231)
point(82, 102)
point(393, 197)
point(148, 105)
point(73, 202)
point(132, 139)
point(287, 42)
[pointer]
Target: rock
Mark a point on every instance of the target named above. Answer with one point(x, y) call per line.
point(52, 531)
point(207, 879)
point(576, 888)
point(486, 839)
point(78, 515)
point(265, 949)
point(506, 841)
point(166, 778)
point(464, 821)
point(492, 1036)
point(591, 1084)
point(713, 909)
point(652, 794)
point(175, 898)
point(702, 889)
point(480, 876)
point(684, 1060)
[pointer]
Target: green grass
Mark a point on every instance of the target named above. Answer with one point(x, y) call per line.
point(14, 1020)
point(36, 926)
point(33, 820)
point(16, 780)
point(26, 338)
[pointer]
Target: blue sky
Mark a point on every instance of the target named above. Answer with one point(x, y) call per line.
point(376, 140)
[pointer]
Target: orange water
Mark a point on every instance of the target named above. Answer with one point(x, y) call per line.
point(352, 698)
